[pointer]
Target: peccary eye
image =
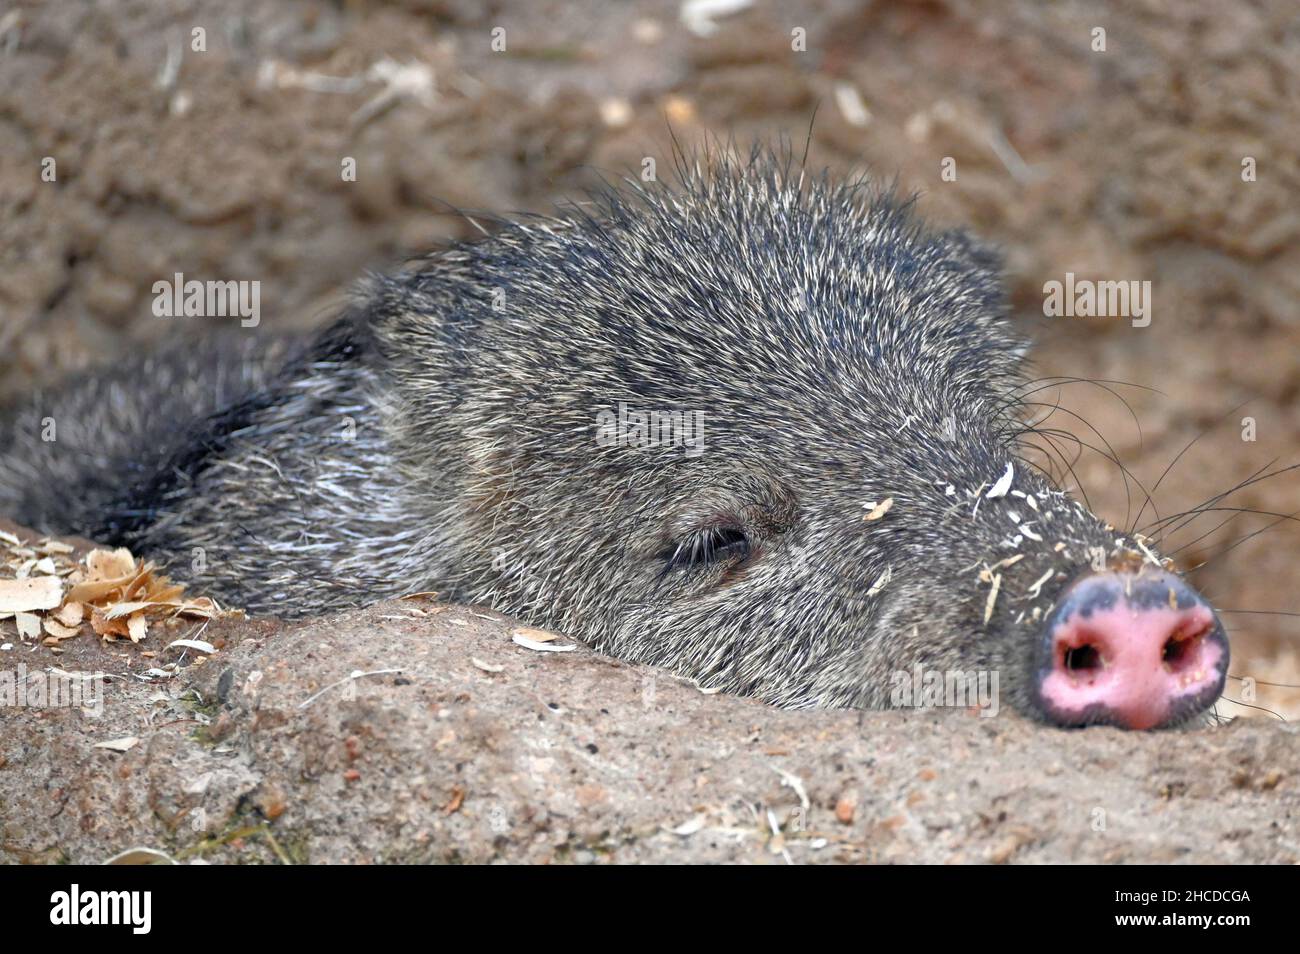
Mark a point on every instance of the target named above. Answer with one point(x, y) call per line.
point(704, 546)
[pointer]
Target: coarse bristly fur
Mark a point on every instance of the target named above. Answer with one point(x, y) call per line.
point(442, 436)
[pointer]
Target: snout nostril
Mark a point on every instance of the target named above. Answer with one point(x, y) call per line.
point(1180, 649)
point(1175, 651)
point(1085, 658)
point(1136, 649)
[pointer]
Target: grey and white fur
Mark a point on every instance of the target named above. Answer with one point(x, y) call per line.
point(442, 435)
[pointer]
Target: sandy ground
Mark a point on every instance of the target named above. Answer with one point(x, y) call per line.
point(1122, 164)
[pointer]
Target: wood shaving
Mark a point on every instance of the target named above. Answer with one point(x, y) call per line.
point(1037, 585)
point(993, 597)
point(71, 613)
point(1003, 564)
point(46, 590)
point(29, 625)
point(140, 856)
point(881, 581)
point(136, 627)
point(58, 630)
point(878, 510)
point(536, 646)
point(1003, 485)
point(197, 645)
point(536, 635)
point(35, 593)
point(118, 745)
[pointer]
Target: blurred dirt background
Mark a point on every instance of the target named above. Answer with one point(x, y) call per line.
point(1115, 164)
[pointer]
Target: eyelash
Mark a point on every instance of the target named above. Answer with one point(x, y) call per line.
point(706, 546)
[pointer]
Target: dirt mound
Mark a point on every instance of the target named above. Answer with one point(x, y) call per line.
point(419, 732)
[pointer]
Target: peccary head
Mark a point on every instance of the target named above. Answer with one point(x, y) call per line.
point(763, 430)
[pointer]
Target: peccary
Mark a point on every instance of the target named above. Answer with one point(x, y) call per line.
point(754, 426)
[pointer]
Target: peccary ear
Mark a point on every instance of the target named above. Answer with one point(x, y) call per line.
point(975, 254)
point(979, 263)
point(969, 273)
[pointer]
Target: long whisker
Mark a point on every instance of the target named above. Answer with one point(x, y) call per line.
point(1255, 478)
point(1185, 449)
point(1109, 454)
point(1069, 466)
point(1247, 705)
point(1213, 530)
point(1259, 612)
point(1157, 527)
point(1273, 685)
point(1250, 536)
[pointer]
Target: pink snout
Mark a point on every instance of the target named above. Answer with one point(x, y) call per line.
point(1135, 649)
